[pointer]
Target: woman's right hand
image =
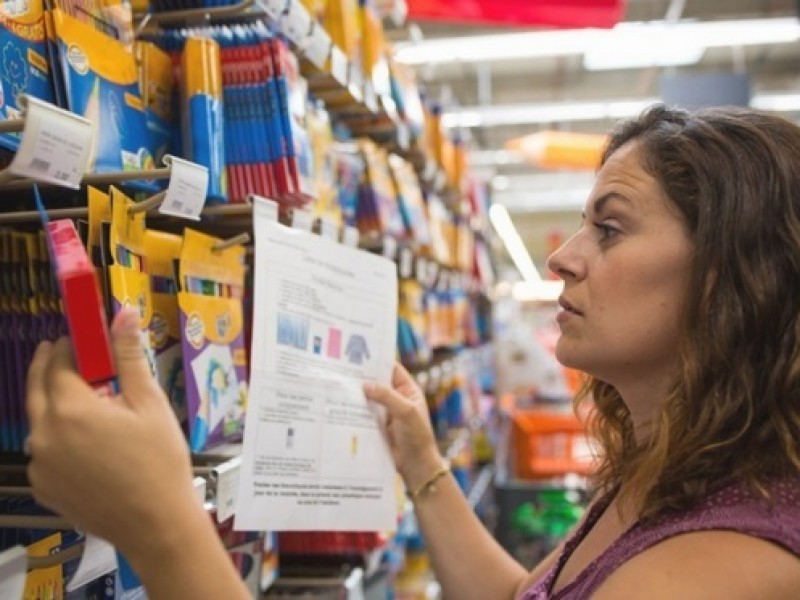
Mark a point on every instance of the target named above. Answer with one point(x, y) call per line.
point(408, 425)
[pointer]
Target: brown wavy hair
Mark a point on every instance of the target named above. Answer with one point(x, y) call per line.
point(733, 408)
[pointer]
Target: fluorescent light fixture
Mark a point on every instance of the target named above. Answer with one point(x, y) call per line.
point(551, 112)
point(655, 40)
point(591, 110)
point(514, 245)
point(776, 102)
point(538, 291)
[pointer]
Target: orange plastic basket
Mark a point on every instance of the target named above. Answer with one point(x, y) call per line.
point(548, 444)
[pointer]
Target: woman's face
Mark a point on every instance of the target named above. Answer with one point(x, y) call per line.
point(625, 273)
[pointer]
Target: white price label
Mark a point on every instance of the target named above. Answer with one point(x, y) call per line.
point(339, 65)
point(318, 48)
point(98, 559)
point(13, 569)
point(264, 207)
point(370, 99)
point(328, 228)
point(273, 8)
point(406, 263)
point(389, 247)
point(302, 219)
point(297, 23)
point(188, 186)
point(350, 237)
point(200, 489)
point(227, 477)
point(56, 145)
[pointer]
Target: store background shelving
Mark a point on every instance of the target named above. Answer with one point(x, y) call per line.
point(363, 112)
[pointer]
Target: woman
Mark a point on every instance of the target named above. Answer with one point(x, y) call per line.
point(680, 301)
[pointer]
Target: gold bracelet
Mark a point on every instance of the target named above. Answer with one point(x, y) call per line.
point(430, 483)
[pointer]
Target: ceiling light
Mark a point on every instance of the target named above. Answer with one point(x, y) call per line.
point(633, 40)
point(592, 110)
point(553, 112)
point(505, 228)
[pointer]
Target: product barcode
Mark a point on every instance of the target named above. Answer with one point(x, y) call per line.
point(37, 164)
point(61, 175)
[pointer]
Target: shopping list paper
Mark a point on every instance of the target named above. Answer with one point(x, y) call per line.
point(314, 454)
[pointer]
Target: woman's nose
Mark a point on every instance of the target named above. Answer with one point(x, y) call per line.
point(563, 262)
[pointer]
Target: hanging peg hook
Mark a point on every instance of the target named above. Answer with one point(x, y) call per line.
point(148, 204)
point(242, 238)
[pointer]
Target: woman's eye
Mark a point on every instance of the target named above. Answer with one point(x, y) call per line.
point(606, 231)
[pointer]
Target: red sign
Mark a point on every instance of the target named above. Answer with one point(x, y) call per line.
point(557, 13)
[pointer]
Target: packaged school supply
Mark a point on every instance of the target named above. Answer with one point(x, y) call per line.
point(378, 211)
point(130, 284)
point(25, 68)
point(156, 79)
point(100, 83)
point(214, 359)
point(410, 200)
point(162, 252)
point(98, 241)
point(203, 125)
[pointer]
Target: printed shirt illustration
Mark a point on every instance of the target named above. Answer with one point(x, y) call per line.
point(356, 349)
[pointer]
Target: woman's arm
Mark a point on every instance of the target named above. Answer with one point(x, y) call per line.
point(119, 467)
point(468, 562)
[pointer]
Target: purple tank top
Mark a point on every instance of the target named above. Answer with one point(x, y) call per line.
point(735, 508)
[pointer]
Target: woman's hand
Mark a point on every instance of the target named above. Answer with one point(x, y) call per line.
point(116, 466)
point(408, 426)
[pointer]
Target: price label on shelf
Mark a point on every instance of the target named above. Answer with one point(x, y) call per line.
point(227, 478)
point(200, 489)
point(273, 8)
point(350, 237)
point(264, 206)
point(339, 65)
point(13, 570)
point(296, 23)
point(188, 186)
point(56, 145)
point(328, 228)
point(389, 247)
point(318, 48)
point(302, 219)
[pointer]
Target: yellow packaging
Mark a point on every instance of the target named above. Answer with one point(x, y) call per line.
point(162, 251)
point(212, 325)
point(130, 284)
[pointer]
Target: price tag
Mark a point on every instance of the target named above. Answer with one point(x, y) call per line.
point(440, 182)
point(403, 136)
point(227, 478)
point(356, 84)
point(264, 207)
point(56, 145)
point(297, 23)
point(13, 569)
point(350, 237)
point(200, 489)
point(339, 65)
point(273, 8)
point(406, 263)
point(328, 228)
point(318, 48)
point(98, 559)
point(389, 247)
point(188, 185)
point(302, 219)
